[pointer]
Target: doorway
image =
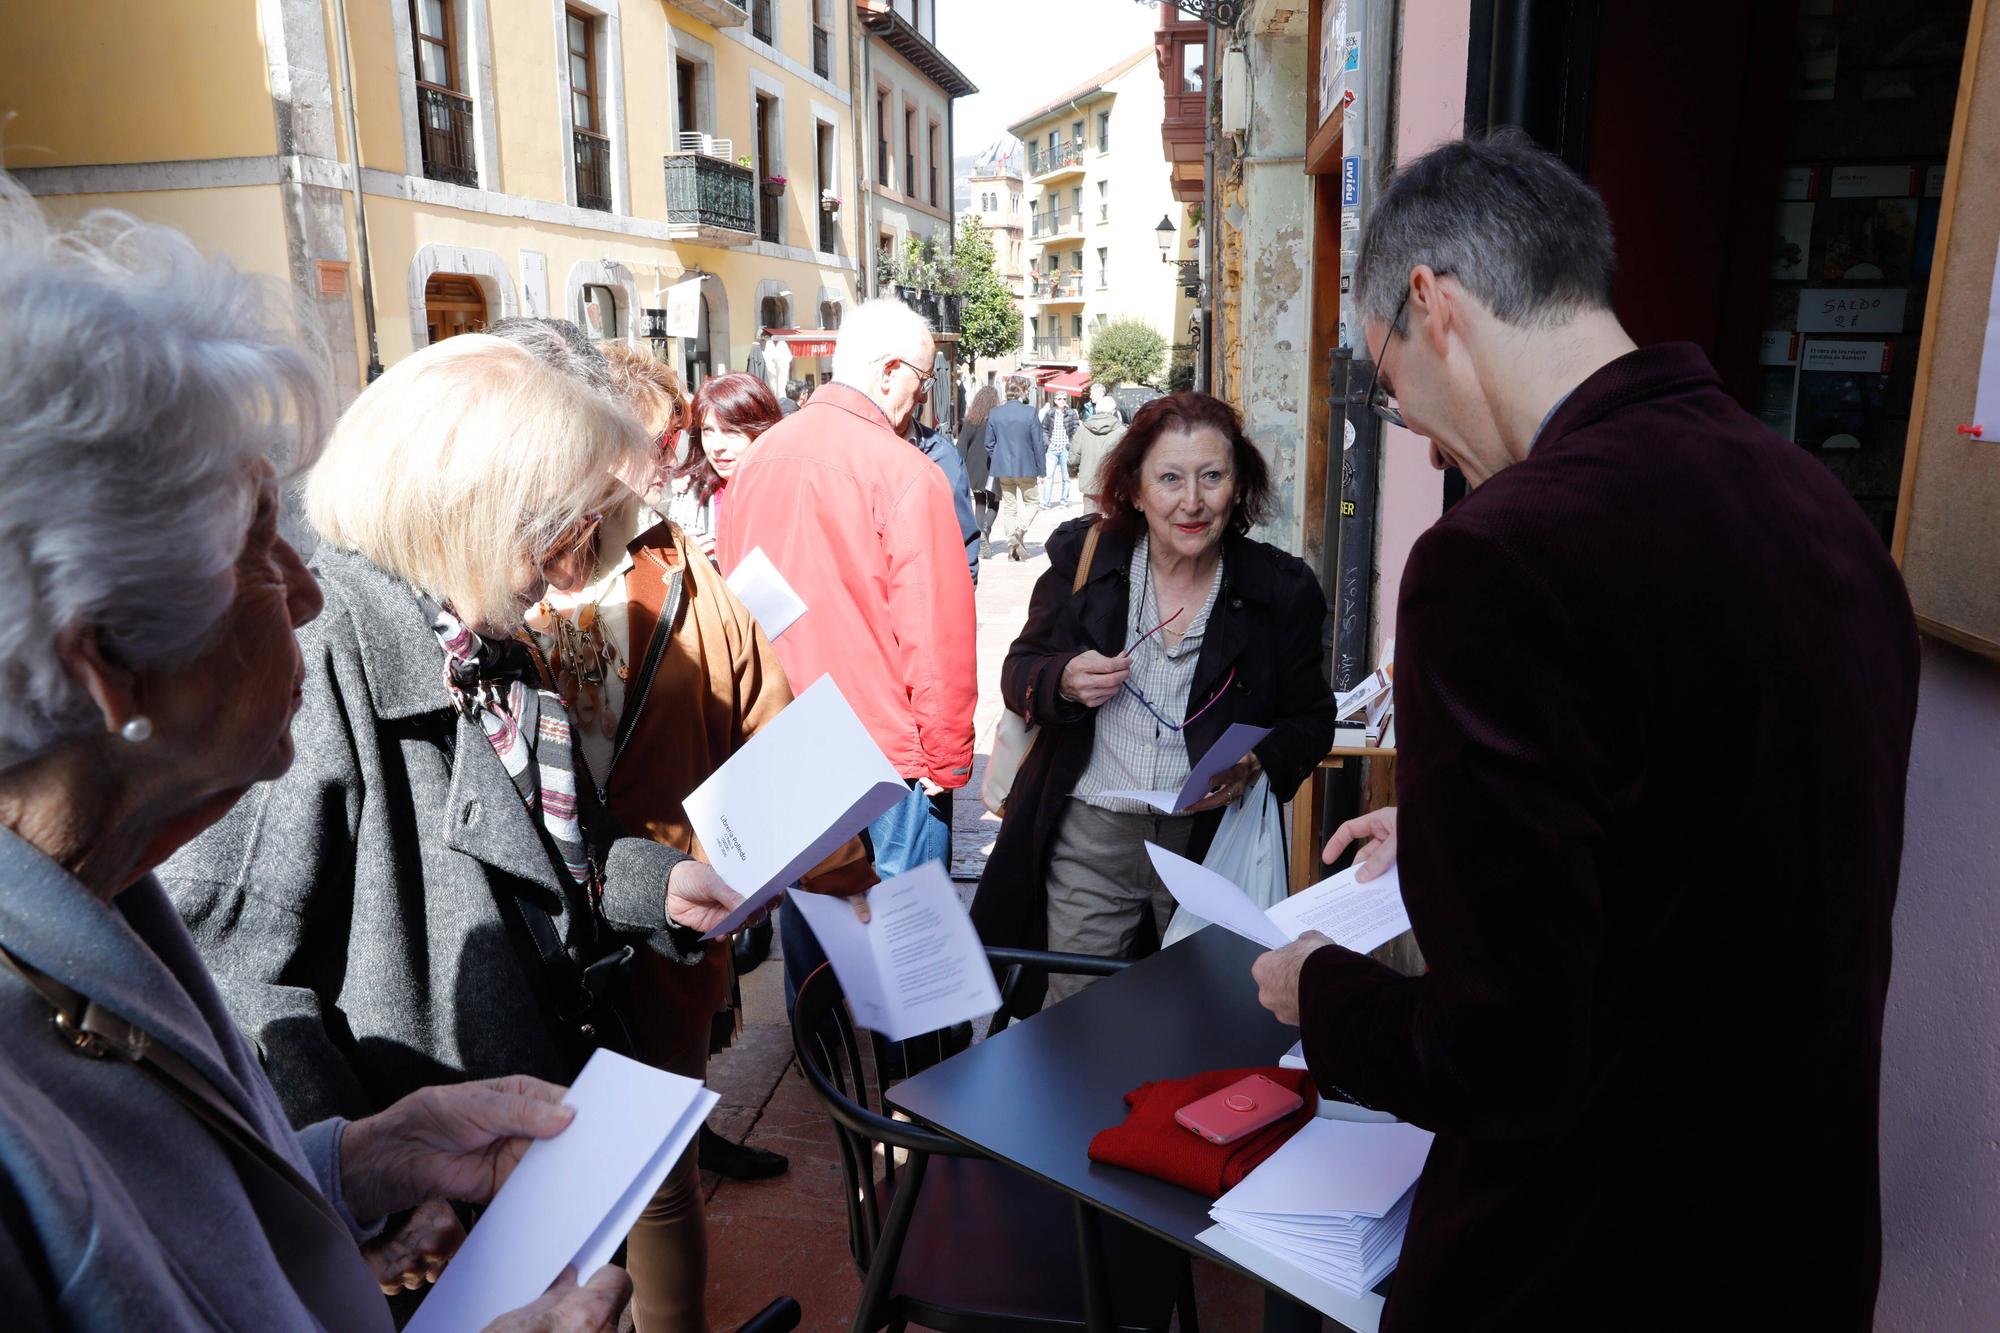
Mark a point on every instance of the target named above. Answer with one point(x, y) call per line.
point(453, 304)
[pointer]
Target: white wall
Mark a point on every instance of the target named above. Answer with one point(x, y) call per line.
point(1941, 1035)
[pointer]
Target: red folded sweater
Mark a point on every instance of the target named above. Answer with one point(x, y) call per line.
point(1151, 1142)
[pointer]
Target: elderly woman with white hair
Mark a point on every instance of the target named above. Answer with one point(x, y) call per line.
point(149, 675)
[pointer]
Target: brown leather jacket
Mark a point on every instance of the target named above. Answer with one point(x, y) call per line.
point(715, 682)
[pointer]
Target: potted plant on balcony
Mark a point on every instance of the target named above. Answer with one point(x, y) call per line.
point(774, 186)
point(829, 202)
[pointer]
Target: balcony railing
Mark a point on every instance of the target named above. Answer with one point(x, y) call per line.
point(822, 52)
point(1056, 221)
point(1057, 349)
point(760, 19)
point(1190, 276)
point(1104, 212)
point(1042, 161)
point(592, 153)
point(1057, 286)
point(444, 120)
point(712, 195)
point(829, 233)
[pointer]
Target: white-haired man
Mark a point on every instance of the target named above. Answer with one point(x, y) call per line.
point(863, 527)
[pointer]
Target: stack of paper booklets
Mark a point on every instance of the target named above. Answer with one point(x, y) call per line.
point(1366, 714)
point(1333, 1202)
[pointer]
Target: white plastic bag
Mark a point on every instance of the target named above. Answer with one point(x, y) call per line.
point(1248, 851)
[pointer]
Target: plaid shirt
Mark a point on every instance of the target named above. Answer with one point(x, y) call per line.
point(1134, 751)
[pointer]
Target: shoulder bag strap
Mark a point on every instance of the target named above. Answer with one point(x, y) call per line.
point(1089, 554)
point(324, 1270)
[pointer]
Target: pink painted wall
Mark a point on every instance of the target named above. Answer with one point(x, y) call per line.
point(1431, 109)
point(1941, 1037)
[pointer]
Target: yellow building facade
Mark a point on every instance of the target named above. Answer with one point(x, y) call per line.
point(575, 158)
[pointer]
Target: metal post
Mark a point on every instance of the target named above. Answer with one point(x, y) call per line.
point(360, 210)
point(1350, 531)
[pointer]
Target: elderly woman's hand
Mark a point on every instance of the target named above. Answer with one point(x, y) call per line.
point(697, 898)
point(415, 1253)
point(458, 1141)
point(565, 1307)
point(1091, 677)
point(1229, 785)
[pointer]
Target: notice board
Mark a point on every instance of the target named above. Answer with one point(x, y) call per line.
point(1948, 517)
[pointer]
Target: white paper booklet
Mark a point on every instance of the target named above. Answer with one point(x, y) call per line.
point(917, 965)
point(760, 587)
point(1333, 1202)
point(803, 785)
point(1229, 748)
point(1353, 915)
point(572, 1198)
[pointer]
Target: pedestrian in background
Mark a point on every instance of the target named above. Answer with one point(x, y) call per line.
point(865, 529)
point(1095, 439)
point(941, 449)
point(1059, 426)
point(729, 416)
point(794, 399)
point(978, 463)
point(1014, 449)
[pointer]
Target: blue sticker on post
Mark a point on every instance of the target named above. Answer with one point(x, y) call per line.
point(1350, 182)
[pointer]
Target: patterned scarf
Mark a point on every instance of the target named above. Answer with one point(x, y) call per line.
point(528, 729)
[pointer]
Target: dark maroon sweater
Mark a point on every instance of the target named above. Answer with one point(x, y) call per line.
point(1654, 693)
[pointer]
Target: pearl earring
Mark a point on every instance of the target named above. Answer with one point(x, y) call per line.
point(137, 730)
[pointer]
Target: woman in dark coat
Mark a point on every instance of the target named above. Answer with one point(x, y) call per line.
point(978, 465)
point(1231, 633)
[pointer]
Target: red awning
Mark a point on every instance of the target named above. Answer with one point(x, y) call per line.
point(1073, 381)
point(810, 344)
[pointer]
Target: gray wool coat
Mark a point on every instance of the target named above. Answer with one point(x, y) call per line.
point(119, 1209)
point(357, 912)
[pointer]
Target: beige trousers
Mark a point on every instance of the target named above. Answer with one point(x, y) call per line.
point(1101, 880)
point(1017, 506)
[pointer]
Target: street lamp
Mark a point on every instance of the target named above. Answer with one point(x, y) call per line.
point(1164, 234)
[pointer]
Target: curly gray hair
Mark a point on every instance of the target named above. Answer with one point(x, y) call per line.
point(139, 379)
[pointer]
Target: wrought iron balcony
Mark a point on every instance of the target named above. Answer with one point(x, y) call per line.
point(444, 128)
point(717, 13)
point(710, 199)
point(1057, 349)
point(1045, 161)
point(1066, 286)
point(1056, 222)
point(1190, 276)
point(592, 155)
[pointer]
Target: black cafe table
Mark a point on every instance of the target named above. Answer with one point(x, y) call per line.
point(1036, 1093)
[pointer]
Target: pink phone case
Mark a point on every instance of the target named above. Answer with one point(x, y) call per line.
point(1244, 1107)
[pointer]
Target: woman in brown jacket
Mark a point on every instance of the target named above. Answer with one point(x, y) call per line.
point(670, 675)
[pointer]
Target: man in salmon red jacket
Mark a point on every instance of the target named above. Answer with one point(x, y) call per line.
point(864, 529)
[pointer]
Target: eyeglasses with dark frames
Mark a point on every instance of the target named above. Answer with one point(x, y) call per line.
point(1378, 400)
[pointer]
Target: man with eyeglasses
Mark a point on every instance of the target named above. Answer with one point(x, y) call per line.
point(1655, 685)
point(865, 529)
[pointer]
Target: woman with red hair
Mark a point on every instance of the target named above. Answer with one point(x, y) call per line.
point(729, 413)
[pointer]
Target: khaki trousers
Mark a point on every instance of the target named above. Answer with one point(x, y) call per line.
point(1101, 880)
point(667, 1250)
point(1017, 506)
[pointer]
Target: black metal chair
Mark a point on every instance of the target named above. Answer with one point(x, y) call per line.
point(949, 1238)
point(780, 1316)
